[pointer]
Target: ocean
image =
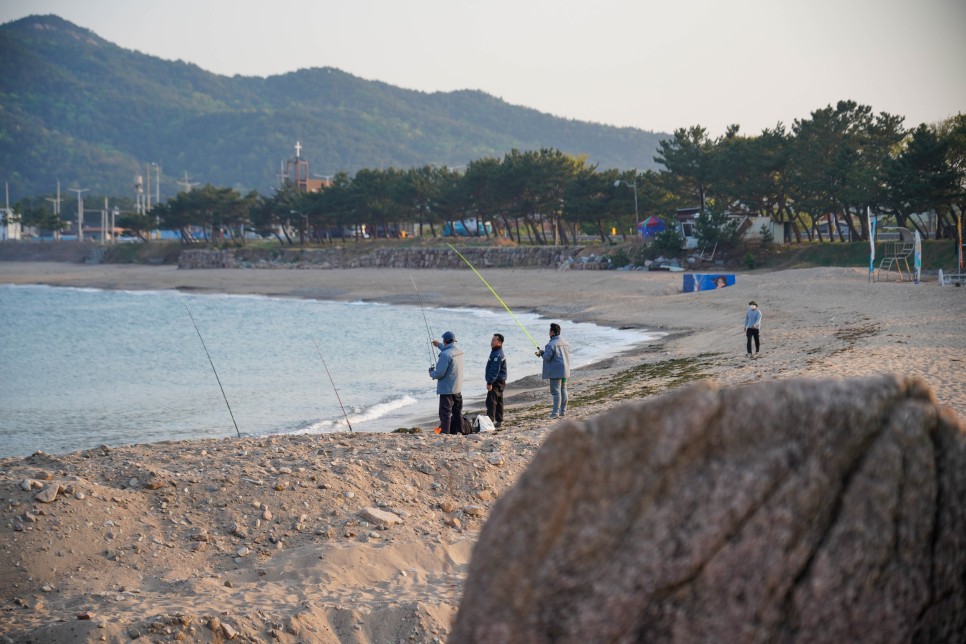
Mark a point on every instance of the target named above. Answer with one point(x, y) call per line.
point(81, 368)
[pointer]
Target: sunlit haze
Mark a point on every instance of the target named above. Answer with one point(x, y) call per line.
point(655, 66)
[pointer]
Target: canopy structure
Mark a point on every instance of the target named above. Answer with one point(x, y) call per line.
point(650, 227)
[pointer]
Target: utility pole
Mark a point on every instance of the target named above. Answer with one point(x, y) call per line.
point(56, 203)
point(187, 185)
point(139, 191)
point(80, 211)
point(105, 220)
point(157, 183)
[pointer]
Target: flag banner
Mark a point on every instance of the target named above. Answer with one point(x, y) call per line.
point(918, 258)
point(868, 213)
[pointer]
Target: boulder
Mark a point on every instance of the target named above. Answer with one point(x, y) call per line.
point(791, 511)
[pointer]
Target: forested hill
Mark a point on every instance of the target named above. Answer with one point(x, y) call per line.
point(77, 108)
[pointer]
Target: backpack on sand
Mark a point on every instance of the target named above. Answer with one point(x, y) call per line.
point(467, 426)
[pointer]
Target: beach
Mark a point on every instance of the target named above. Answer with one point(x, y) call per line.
point(366, 537)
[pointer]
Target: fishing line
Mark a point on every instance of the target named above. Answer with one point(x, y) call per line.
point(337, 396)
point(495, 295)
point(432, 352)
point(212, 367)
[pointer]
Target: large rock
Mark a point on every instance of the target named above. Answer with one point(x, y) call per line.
point(790, 511)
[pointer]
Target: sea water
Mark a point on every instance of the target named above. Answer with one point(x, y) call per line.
point(84, 367)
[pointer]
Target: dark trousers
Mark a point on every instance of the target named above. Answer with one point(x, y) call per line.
point(752, 333)
point(494, 401)
point(451, 413)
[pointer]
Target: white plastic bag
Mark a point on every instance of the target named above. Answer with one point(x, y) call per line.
point(484, 424)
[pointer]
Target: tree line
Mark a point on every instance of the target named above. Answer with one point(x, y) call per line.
point(827, 169)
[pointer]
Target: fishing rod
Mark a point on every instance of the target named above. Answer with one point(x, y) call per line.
point(212, 367)
point(495, 295)
point(432, 352)
point(337, 396)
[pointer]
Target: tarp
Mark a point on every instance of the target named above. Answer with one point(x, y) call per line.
point(650, 226)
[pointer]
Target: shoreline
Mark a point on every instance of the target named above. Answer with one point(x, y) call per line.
point(286, 537)
point(607, 343)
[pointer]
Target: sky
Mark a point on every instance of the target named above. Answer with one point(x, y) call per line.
point(653, 65)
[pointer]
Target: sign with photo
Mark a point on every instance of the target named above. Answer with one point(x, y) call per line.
point(707, 281)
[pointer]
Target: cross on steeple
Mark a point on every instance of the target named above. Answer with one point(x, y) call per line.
point(298, 149)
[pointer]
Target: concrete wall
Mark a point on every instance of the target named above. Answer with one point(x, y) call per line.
point(532, 257)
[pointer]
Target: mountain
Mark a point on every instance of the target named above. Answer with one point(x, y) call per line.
point(78, 108)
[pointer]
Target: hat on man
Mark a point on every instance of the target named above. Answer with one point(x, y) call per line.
point(449, 337)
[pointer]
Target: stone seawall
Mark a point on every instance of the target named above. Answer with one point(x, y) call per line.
point(530, 257)
point(74, 252)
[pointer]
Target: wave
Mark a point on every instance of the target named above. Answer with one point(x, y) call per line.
point(359, 415)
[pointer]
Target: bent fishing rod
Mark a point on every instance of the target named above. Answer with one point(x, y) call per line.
point(212, 367)
point(337, 396)
point(432, 352)
point(496, 296)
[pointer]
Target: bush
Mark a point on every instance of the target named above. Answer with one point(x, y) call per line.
point(668, 241)
point(767, 237)
point(620, 258)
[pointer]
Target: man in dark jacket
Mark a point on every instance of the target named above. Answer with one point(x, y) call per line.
point(495, 380)
point(449, 374)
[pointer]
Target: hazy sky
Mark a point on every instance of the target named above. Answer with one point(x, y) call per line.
point(653, 65)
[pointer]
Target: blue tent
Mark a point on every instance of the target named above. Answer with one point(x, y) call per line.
point(650, 227)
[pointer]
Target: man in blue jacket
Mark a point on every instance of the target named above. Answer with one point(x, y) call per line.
point(495, 380)
point(449, 374)
point(556, 369)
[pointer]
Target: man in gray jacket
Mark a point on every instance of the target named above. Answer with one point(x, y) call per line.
point(556, 369)
point(753, 327)
point(449, 376)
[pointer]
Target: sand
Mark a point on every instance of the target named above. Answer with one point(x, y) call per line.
point(366, 537)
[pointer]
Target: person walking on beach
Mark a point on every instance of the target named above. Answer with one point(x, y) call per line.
point(752, 326)
point(495, 376)
point(556, 369)
point(449, 376)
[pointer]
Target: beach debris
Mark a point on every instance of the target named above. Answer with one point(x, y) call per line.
point(473, 510)
point(30, 484)
point(793, 510)
point(379, 517)
point(48, 494)
point(199, 534)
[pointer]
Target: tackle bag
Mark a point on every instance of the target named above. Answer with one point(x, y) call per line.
point(467, 426)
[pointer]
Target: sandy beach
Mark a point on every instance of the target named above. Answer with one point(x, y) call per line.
point(366, 537)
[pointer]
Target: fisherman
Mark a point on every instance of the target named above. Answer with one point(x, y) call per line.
point(495, 376)
point(556, 369)
point(449, 374)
